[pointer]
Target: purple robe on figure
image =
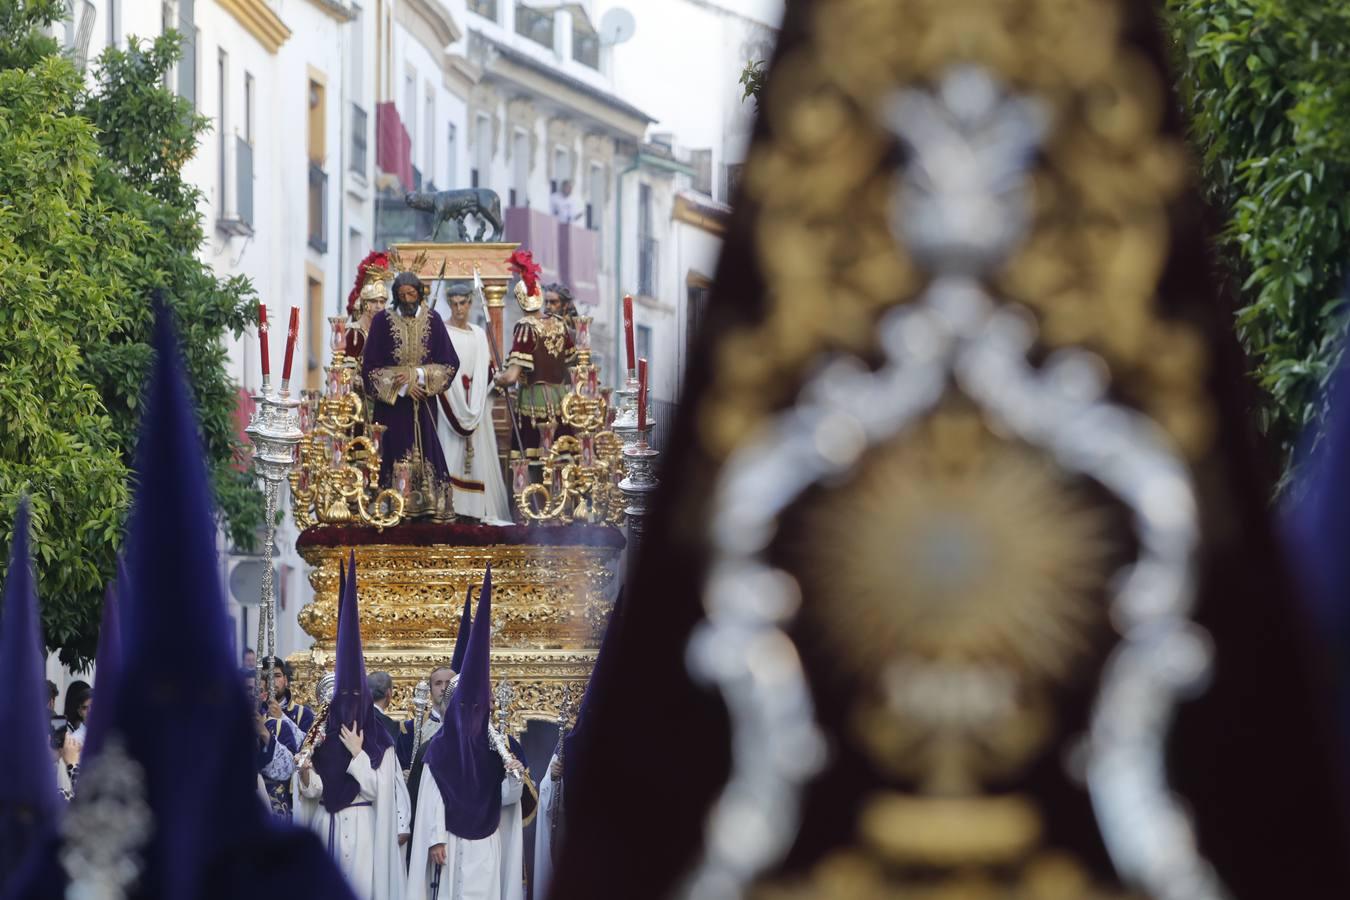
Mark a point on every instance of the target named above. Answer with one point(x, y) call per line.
point(399, 343)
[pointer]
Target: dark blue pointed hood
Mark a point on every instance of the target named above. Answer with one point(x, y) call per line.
point(1316, 517)
point(177, 713)
point(467, 770)
point(29, 803)
point(108, 661)
point(178, 676)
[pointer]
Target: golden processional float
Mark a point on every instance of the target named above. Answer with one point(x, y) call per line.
point(553, 569)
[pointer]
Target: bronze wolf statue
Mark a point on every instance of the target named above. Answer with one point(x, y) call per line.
point(446, 206)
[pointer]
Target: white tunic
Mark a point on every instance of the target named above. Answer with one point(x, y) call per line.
point(543, 833)
point(488, 869)
point(479, 490)
point(363, 839)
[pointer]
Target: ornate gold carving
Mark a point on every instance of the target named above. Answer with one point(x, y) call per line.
point(581, 471)
point(1100, 238)
point(548, 602)
point(541, 678)
point(336, 477)
point(410, 334)
point(460, 260)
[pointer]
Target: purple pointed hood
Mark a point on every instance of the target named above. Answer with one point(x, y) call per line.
point(351, 703)
point(29, 803)
point(179, 683)
point(462, 637)
point(177, 674)
point(467, 770)
point(575, 745)
point(108, 659)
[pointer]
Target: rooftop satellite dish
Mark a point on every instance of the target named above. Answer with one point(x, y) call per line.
point(616, 26)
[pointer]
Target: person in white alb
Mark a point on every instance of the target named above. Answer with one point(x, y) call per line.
point(475, 796)
point(468, 438)
point(351, 791)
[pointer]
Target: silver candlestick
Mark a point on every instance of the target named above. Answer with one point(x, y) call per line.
point(275, 431)
point(640, 462)
point(625, 410)
point(638, 458)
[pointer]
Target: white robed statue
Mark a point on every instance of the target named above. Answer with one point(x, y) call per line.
point(468, 439)
point(474, 797)
point(348, 792)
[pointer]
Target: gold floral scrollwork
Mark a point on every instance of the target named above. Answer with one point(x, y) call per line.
point(549, 602)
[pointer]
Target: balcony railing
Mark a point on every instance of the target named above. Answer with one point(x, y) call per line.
point(243, 180)
point(318, 208)
point(535, 25)
point(648, 257)
point(360, 159)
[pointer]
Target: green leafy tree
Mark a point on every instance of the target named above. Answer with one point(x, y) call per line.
point(146, 134)
point(1266, 84)
point(94, 215)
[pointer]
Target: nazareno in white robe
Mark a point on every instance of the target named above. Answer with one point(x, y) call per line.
point(543, 833)
point(364, 838)
point(479, 490)
point(489, 869)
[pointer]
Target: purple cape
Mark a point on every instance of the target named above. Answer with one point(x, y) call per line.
point(467, 769)
point(400, 438)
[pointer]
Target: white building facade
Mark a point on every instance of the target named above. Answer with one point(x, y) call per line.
point(683, 64)
point(325, 112)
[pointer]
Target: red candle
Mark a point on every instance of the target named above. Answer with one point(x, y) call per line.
point(262, 342)
point(628, 330)
point(292, 333)
point(642, 394)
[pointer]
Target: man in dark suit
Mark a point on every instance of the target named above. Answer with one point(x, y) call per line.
point(381, 686)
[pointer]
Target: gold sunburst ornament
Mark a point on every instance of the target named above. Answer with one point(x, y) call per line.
point(956, 545)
